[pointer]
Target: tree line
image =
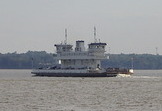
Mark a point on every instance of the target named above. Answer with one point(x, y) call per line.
point(28, 60)
point(137, 61)
point(35, 59)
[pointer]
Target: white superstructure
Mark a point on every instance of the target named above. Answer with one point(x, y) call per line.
point(80, 58)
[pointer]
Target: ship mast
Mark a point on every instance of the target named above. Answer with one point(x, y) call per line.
point(65, 36)
point(95, 40)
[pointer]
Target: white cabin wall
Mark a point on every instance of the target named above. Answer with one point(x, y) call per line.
point(80, 63)
point(79, 46)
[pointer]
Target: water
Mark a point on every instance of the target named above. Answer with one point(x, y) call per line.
point(19, 91)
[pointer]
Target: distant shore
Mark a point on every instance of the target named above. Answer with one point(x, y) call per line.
point(35, 59)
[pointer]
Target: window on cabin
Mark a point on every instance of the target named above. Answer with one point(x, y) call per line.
point(97, 46)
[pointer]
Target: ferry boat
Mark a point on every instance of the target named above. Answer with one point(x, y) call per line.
point(80, 62)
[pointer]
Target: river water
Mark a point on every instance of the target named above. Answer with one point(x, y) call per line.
point(19, 91)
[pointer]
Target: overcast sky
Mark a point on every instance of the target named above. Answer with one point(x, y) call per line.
point(127, 26)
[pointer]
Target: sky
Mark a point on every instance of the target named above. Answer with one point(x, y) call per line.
point(127, 26)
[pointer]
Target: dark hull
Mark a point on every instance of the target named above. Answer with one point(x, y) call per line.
point(75, 74)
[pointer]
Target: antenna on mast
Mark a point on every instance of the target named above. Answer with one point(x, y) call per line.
point(65, 36)
point(94, 34)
